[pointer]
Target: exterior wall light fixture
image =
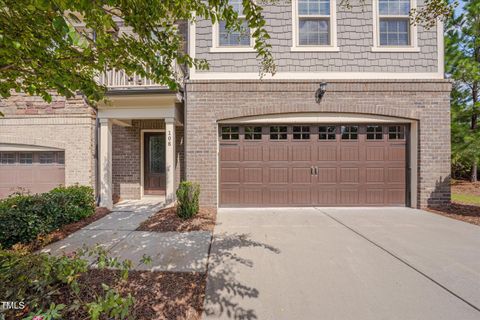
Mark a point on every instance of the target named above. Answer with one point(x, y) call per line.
point(320, 92)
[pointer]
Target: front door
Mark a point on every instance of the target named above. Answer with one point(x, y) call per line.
point(154, 163)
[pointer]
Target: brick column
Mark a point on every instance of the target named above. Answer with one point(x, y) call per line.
point(105, 163)
point(170, 159)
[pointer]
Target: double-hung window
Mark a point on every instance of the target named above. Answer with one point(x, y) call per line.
point(225, 39)
point(314, 25)
point(394, 30)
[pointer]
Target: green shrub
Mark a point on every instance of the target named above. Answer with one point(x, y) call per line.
point(75, 202)
point(24, 217)
point(55, 287)
point(187, 198)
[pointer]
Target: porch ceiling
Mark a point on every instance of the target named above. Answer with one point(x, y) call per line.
point(147, 106)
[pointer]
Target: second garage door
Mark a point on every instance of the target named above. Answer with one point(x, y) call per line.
point(307, 165)
point(30, 171)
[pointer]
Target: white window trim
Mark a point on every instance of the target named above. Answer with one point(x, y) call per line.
point(217, 48)
point(413, 47)
point(333, 31)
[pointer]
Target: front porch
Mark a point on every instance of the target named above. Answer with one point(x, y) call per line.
point(140, 143)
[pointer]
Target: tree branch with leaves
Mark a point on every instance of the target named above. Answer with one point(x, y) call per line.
point(62, 45)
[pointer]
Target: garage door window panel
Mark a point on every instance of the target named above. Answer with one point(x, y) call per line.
point(374, 133)
point(327, 132)
point(61, 158)
point(301, 132)
point(253, 133)
point(46, 158)
point(278, 133)
point(230, 133)
point(7, 158)
point(25, 158)
point(349, 132)
point(396, 132)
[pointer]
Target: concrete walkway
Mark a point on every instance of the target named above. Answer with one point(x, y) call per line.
point(170, 251)
point(359, 264)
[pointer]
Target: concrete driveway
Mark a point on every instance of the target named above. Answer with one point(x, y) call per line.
point(339, 263)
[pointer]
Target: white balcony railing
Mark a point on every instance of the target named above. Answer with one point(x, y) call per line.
point(118, 79)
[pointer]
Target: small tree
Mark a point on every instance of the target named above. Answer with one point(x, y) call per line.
point(188, 194)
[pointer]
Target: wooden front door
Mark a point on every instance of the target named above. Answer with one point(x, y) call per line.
point(154, 163)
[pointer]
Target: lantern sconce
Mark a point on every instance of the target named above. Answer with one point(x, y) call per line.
point(320, 92)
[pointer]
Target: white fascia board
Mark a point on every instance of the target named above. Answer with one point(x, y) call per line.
point(318, 76)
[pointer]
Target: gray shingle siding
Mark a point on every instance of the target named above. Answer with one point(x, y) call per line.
point(354, 37)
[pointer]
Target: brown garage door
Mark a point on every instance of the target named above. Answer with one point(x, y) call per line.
point(33, 172)
point(305, 165)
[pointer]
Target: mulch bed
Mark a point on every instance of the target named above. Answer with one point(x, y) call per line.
point(166, 220)
point(63, 232)
point(463, 212)
point(158, 295)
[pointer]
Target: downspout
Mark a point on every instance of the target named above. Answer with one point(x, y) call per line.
point(185, 106)
point(95, 155)
point(97, 189)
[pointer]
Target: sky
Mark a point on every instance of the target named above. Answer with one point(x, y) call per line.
point(459, 8)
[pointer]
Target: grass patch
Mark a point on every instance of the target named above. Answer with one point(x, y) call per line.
point(466, 198)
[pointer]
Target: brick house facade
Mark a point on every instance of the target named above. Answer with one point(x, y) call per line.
point(146, 138)
point(427, 102)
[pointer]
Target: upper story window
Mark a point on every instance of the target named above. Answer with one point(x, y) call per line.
point(226, 40)
point(314, 25)
point(393, 29)
point(394, 22)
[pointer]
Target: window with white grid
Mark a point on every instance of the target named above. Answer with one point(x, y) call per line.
point(394, 22)
point(314, 23)
point(234, 38)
